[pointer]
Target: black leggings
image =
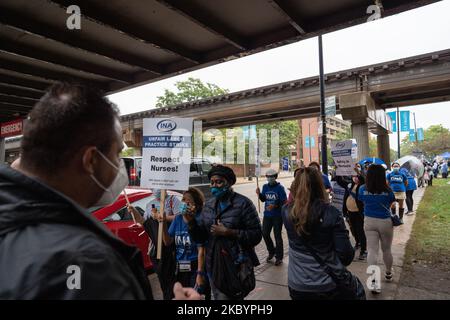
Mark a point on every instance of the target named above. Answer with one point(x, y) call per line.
point(409, 199)
point(357, 224)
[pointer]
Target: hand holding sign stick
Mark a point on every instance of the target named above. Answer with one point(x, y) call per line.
point(160, 227)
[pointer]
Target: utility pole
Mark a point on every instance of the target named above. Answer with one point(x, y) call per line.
point(398, 133)
point(322, 110)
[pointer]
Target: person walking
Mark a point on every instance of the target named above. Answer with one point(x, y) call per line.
point(398, 182)
point(412, 185)
point(274, 197)
point(377, 197)
point(229, 223)
point(444, 170)
point(314, 224)
point(354, 210)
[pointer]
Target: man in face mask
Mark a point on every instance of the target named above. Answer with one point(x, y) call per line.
point(70, 161)
point(274, 197)
point(227, 215)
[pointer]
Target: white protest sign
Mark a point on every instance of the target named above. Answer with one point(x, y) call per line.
point(166, 155)
point(344, 156)
point(338, 196)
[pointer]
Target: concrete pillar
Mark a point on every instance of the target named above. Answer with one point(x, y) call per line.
point(360, 132)
point(383, 148)
point(2, 150)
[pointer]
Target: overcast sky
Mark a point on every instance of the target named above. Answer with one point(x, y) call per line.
point(414, 32)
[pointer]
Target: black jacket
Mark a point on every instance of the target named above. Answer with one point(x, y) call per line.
point(239, 214)
point(329, 238)
point(344, 183)
point(43, 233)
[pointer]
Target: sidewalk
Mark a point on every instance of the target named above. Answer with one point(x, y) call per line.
point(262, 179)
point(271, 281)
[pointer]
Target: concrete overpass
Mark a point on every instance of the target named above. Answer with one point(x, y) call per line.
point(362, 95)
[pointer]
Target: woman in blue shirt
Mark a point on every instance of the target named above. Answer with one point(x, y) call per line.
point(190, 256)
point(412, 185)
point(377, 198)
point(398, 182)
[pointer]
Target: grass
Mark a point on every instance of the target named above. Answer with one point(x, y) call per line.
point(430, 237)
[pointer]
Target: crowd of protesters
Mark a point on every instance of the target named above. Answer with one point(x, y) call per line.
point(208, 245)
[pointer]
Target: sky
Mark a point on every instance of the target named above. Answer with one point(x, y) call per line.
point(411, 33)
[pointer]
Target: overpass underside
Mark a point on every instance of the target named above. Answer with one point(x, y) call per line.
point(362, 96)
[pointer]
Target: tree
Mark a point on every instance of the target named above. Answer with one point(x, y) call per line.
point(288, 133)
point(190, 90)
point(436, 141)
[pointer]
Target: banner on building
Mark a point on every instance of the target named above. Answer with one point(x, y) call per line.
point(393, 116)
point(412, 135)
point(344, 154)
point(166, 153)
point(420, 136)
point(404, 121)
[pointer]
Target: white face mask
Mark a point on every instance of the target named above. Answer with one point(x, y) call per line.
point(111, 193)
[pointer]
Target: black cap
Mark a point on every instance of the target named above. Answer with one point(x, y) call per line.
point(225, 172)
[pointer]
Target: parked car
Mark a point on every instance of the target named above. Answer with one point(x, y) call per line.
point(134, 167)
point(198, 175)
point(120, 222)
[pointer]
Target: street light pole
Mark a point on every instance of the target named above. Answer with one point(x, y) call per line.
point(322, 110)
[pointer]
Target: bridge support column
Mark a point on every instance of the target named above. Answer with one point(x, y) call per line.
point(383, 148)
point(360, 132)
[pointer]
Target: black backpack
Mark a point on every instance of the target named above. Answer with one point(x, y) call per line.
point(234, 280)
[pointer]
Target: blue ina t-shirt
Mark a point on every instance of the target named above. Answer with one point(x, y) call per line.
point(186, 249)
point(273, 195)
point(397, 181)
point(376, 205)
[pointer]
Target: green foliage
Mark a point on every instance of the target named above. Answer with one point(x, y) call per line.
point(129, 152)
point(436, 141)
point(288, 133)
point(189, 90)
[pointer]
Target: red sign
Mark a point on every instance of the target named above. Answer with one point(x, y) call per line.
point(12, 128)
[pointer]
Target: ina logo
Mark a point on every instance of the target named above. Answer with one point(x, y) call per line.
point(166, 125)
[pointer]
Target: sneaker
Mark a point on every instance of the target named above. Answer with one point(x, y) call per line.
point(409, 213)
point(401, 221)
point(376, 290)
point(388, 276)
point(278, 262)
point(362, 255)
point(270, 257)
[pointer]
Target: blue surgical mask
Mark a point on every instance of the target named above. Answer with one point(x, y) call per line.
point(395, 169)
point(219, 192)
point(183, 208)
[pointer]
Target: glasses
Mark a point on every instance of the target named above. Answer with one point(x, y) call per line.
point(217, 182)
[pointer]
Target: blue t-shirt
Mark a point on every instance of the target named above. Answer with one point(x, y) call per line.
point(412, 185)
point(326, 181)
point(397, 181)
point(273, 195)
point(376, 205)
point(186, 249)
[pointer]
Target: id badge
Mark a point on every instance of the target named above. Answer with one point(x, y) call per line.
point(184, 266)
